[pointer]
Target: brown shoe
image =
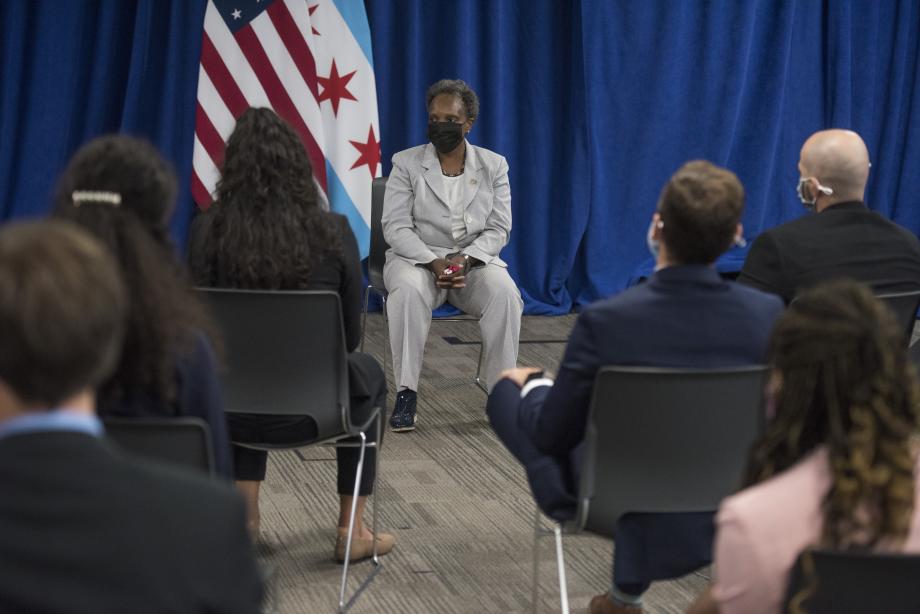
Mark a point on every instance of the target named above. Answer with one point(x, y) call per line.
point(362, 548)
point(602, 604)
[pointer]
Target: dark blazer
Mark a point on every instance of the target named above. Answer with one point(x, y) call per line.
point(844, 240)
point(198, 395)
point(86, 529)
point(684, 316)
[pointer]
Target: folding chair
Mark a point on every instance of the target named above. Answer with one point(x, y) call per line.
point(375, 261)
point(659, 440)
point(904, 307)
point(286, 356)
point(828, 582)
point(182, 440)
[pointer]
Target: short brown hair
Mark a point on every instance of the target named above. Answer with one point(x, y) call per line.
point(700, 207)
point(62, 311)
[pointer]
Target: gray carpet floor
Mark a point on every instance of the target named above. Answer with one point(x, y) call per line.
point(457, 502)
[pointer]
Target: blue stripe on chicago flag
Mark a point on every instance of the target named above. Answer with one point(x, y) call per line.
point(340, 202)
point(353, 13)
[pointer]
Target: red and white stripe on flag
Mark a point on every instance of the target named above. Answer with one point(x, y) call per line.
point(299, 58)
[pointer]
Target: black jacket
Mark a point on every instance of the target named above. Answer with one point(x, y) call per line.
point(845, 240)
point(85, 529)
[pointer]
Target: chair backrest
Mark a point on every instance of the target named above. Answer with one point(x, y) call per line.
point(377, 256)
point(184, 440)
point(904, 307)
point(666, 440)
point(825, 582)
point(285, 355)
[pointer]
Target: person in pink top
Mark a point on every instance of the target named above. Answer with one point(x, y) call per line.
point(837, 465)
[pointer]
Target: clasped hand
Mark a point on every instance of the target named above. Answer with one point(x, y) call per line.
point(446, 280)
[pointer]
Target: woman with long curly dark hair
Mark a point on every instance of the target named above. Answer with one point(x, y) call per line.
point(267, 230)
point(122, 191)
point(837, 465)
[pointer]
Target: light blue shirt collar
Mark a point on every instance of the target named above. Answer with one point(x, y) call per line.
point(54, 421)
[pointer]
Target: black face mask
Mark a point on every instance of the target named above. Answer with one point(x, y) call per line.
point(445, 136)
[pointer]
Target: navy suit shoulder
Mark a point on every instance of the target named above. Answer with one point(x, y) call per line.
point(134, 536)
point(682, 317)
point(765, 304)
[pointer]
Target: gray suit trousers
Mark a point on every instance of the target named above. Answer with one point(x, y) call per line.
point(490, 294)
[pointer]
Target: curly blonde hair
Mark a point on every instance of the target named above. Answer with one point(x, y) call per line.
point(845, 382)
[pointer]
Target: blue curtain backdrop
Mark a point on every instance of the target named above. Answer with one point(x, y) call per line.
point(594, 103)
point(71, 71)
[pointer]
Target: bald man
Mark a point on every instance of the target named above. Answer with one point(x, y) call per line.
point(842, 238)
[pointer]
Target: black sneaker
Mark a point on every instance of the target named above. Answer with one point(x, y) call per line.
point(403, 418)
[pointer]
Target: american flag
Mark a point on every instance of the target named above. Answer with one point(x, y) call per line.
point(310, 61)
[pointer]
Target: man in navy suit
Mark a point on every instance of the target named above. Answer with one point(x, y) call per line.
point(684, 316)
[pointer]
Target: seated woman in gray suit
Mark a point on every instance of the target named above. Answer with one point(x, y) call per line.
point(446, 216)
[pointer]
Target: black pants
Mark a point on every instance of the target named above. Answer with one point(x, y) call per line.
point(367, 389)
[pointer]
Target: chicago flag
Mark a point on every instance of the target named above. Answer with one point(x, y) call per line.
point(310, 61)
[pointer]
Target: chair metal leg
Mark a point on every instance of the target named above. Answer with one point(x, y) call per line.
point(367, 298)
point(479, 372)
point(386, 347)
point(560, 563)
point(535, 588)
point(539, 532)
point(343, 606)
point(376, 480)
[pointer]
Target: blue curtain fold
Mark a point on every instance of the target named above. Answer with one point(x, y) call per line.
point(75, 70)
point(595, 103)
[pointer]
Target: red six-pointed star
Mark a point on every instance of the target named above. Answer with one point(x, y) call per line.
point(335, 88)
point(370, 152)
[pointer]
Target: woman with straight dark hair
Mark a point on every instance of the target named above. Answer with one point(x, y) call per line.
point(123, 192)
point(837, 465)
point(266, 230)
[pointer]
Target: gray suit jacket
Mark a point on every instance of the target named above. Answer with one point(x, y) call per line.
point(416, 217)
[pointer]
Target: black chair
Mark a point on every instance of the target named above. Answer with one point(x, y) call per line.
point(660, 440)
point(826, 582)
point(183, 441)
point(904, 307)
point(286, 355)
point(376, 259)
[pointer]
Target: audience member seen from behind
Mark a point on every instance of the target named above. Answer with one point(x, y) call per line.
point(844, 239)
point(84, 527)
point(837, 466)
point(686, 315)
point(122, 191)
point(267, 231)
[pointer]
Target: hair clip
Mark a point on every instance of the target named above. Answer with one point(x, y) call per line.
point(87, 196)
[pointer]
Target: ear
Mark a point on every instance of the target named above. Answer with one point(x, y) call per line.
point(811, 185)
point(657, 225)
point(739, 232)
point(468, 125)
